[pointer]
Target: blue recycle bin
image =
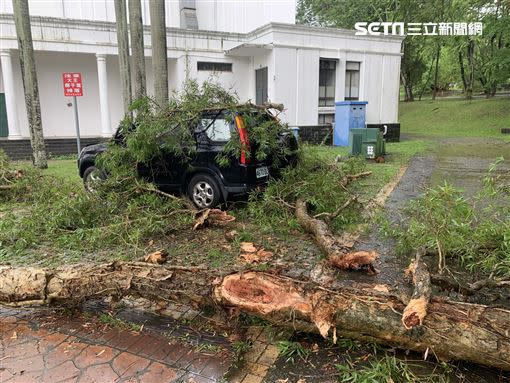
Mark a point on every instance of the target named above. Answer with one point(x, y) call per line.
point(348, 115)
point(295, 131)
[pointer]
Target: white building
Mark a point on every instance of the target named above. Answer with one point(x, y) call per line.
point(251, 46)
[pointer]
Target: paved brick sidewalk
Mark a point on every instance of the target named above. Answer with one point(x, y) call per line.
point(33, 349)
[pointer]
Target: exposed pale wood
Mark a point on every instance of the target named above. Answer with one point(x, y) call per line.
point(336, 252)
point(416, 309)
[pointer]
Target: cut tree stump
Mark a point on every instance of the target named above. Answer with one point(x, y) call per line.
point(450, 330)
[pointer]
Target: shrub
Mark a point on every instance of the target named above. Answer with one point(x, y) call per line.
point(476, 230)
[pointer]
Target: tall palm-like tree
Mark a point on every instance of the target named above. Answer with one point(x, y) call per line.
point(29, 75)
point(123, 49)
point(137, 50)
point(159, 54)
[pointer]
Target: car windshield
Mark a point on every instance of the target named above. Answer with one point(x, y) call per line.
point(217, 129)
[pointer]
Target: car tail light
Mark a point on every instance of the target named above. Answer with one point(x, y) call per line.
point(245, 143)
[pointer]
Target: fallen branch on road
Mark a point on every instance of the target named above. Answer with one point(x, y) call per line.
point(336, 251)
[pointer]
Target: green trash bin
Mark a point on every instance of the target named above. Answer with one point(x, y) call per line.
point(369, 149)
point(356, 138)
point(366, 142)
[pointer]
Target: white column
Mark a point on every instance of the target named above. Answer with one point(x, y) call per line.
point(10, 96)
point(106, 130)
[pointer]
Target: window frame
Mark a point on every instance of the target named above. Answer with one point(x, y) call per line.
point(349, 73)
point(214, 66)
point(328, 100)
point(323, 116)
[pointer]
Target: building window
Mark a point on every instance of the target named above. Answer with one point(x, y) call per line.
point(214, 67)
point(327, 69)
point(261, 86)
point(326, 118)
point(351, 80)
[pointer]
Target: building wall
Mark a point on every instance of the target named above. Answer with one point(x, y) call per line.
point(243, 15)
point(296, 84)
point(216, 15)
point(237, 81)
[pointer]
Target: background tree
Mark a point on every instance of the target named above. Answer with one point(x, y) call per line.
point(123, 49)
point(159, 51)
point(29, 76)
point(137, 48)
point(345, 13)
point(430, 63)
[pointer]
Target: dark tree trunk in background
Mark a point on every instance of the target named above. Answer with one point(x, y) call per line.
point(471, 66)
point(408, 89)
point(29, 76)
point(123, 50)
point(436, 72)
point(159, 51)
point(137, 48)
point(426, 83)
point(462, 72)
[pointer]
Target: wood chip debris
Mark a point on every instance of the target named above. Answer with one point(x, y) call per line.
point(250, 254)
point(209, 217)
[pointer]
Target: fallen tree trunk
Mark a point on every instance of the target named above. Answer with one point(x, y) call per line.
point(416, 309)
point(336, 252)
point(451, 330)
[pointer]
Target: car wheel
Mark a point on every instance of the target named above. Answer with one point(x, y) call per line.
point(204, 191)
point(92, 177)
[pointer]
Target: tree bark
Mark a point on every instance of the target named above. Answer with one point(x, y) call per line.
point(123, 51)
point(337, 253)
point(137, 48)
point(408, 89)
point(436, 71)
point(438, 54)
point(471, 65)
point(451, 330)
point(159, 51)
point(462, 72)
point(30, 85)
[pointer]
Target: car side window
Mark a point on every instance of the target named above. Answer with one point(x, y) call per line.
point(217, 129)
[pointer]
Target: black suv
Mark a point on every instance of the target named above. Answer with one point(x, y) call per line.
point(203, 179)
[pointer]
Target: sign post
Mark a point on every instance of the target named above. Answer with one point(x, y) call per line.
point(73, 87)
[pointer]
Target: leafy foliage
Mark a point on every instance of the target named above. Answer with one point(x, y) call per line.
point(314, 179)
point(50, 212)
point(291, 350)
point(474, 230)
point(127, 211)
point(385, 369)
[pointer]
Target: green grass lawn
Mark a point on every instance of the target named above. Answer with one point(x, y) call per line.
point(456, 118)
point(398, 154)
point(65, 168)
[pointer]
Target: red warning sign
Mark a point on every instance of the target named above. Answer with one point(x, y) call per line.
point(72, 84)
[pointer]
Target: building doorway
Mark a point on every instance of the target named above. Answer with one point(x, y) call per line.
point(261, 86)
point(4, 128)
